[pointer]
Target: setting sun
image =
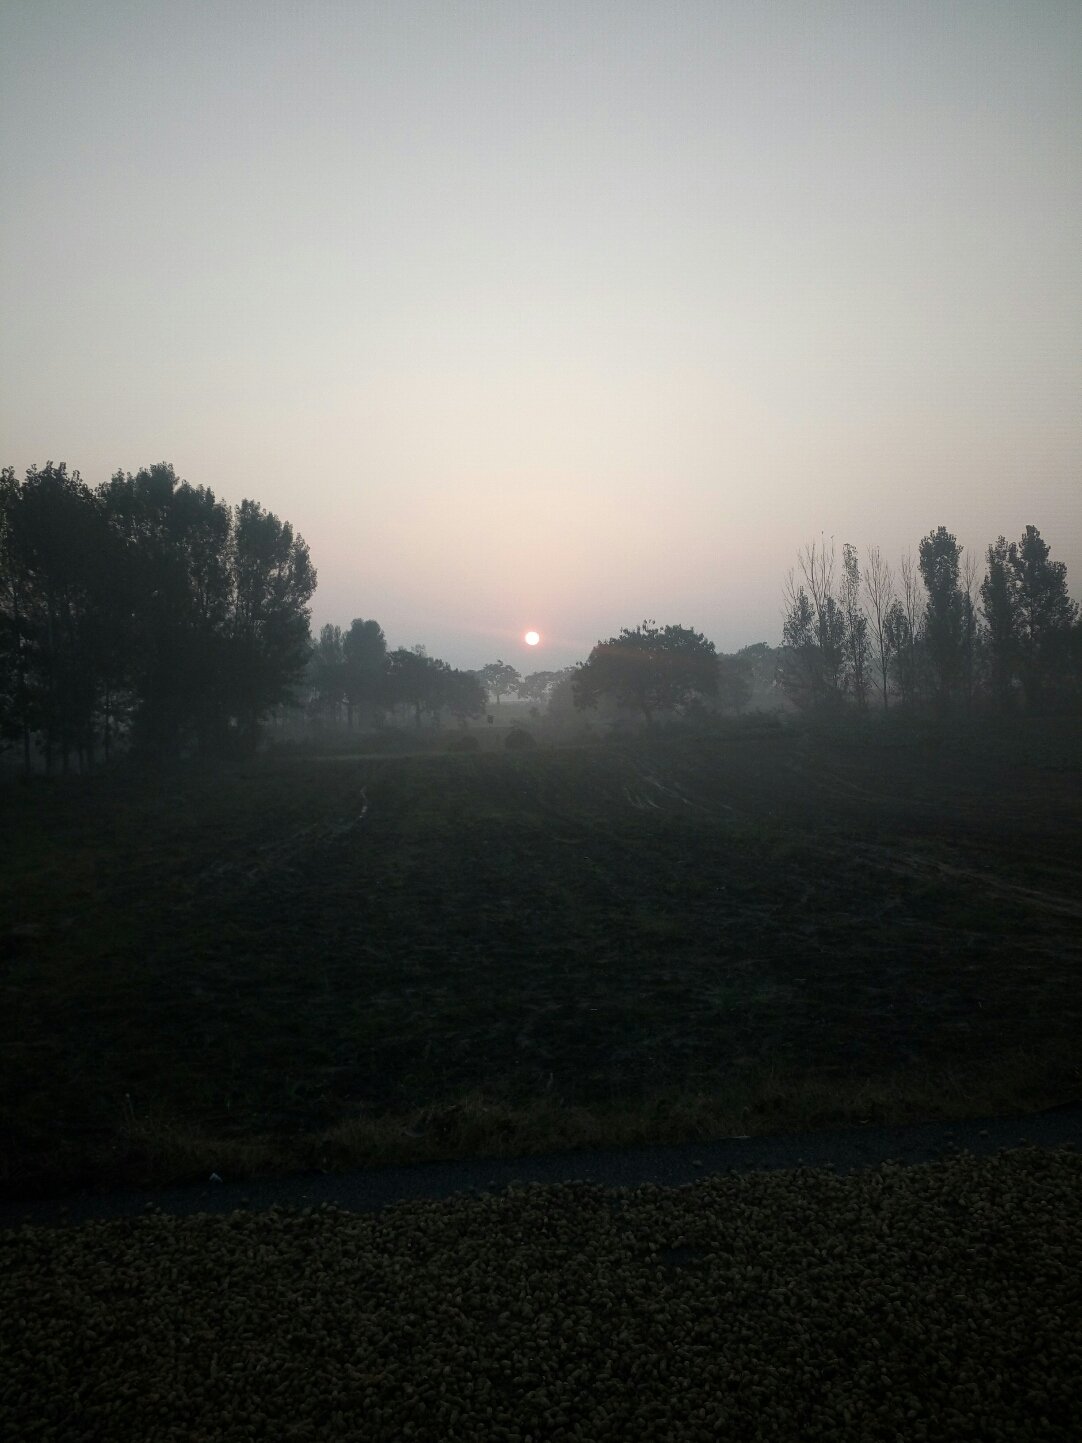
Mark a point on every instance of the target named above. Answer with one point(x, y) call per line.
point(532, 638)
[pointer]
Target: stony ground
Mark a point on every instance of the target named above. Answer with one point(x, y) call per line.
point(937, 1302)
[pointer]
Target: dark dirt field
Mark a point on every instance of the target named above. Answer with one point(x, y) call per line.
point(289, 950)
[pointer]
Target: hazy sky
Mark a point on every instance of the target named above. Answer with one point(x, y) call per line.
point(556, 314)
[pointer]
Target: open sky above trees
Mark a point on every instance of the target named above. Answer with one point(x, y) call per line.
point(556, 315)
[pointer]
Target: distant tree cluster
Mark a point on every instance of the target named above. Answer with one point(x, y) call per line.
point(934, 634)
point(353, 671)
point(652, 671)
point(500, 679)
point(538, 686)
point(145, 608)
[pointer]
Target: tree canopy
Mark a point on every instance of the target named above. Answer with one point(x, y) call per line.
point(364, 655)
point(539, 684)
point(147, 606)
point(649, 669)
point(1043, 613)
point(500, 679)
point(426, 686)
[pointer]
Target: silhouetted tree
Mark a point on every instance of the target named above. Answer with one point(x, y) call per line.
point(972, 631)
point(273, 580)
point(879, 589)
point(800, 667)
point(561, 707)
point(764, 662)
point(413, 680)
point(326, 673)
point(856, 627)
point(1045, 614)
point(735, 681)
point(1073, 670)
point(999, 602)
point(15, 715)
point(463, 695)
point(175, 576)
point(218, 606)
point(909, 662)
point(945, 618)
point(813, 663)
point(62, 615)
point(364, 655)
point(500, 679)
point(57, 576)
point(901, 649)
point(931, 645)
point(538, 685)
point(649, 669)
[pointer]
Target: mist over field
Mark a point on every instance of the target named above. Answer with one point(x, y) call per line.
point(630, 455)
point(289, 894)
point(539, 613)
point(592, 435)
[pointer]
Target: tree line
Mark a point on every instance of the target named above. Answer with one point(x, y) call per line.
point(149, 613)
point(937, 634)
point(144, 608)
point(352, 672)
point(353, 680)
point(148, 610)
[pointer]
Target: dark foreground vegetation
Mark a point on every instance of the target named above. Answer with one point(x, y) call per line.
point(330, 961)
point(937, 1302)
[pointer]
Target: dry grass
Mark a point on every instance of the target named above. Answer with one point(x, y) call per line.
point(153, 1151)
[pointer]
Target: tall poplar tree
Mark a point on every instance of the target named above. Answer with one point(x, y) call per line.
point(945, 615)
point(1045, 615)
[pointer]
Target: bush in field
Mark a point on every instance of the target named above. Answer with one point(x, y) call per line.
point(518, 741)
point(463, 744)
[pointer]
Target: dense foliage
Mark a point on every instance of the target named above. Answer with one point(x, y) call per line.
point(649, 670)
point(353, 672)
point(145, 607)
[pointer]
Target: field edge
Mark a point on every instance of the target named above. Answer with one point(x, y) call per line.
point(158, 1151)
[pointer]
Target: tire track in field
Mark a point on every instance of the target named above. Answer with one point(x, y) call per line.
point(909, 865)
point(280, 858)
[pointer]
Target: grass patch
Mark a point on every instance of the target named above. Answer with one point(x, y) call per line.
point(148, 1151)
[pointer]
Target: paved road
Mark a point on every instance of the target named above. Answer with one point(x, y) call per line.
point(369, 1190)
